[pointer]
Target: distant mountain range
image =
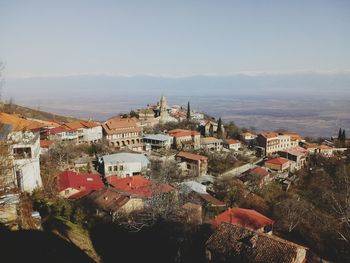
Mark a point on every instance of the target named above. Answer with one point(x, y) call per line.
point(315, 103)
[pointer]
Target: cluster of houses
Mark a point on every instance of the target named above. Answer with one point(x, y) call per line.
point(121, 183)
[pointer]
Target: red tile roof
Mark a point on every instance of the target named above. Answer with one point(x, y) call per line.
point(45, 143)
point(60, 129)
point(258, 171)
point(138, 185)
point(83, 182)
point(243, 217)
point(277, 160)
point(192, 156)
point(232, 141)
point(182, 133)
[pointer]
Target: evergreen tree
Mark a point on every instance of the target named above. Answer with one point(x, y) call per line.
point(343, 136)
point(340, 134)
point(188, 111)
point(219, 130)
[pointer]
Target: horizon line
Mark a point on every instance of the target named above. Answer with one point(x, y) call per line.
point(180, 76)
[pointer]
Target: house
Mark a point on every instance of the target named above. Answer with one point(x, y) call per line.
point(24, 152)
point(273, 142)
point(246, 218)
point(278, 164)
point(45, 145)
point(123, 133)
point(232, 144)
point(76, 185)
point(88, 131)
point(322, 149)
point(211, 144)
point(139, 186)
point(158, 141)
point(185, 139)
point(248, 136)
point(196, 165)
point(209, 128)
point(256, 177)
point(297, 155)
point(62, 133)
point(234, 243)
point(196, 193)
point(108, 200)
point(123, 164)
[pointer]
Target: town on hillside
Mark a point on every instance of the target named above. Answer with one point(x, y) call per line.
point(170, 184)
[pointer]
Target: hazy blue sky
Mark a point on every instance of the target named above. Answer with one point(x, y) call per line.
point(173, 37)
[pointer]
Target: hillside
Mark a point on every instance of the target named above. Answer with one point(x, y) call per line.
point(35, 114)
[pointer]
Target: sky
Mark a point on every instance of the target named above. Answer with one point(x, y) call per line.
point(173, 38)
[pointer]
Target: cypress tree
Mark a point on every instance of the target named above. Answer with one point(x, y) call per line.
point(219, 130)
point(340, 134)
point(188, 111)
point(343, 136)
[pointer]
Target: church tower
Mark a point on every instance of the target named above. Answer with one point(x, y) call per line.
point(163, 108)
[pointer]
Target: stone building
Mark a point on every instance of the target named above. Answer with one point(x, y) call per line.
point(123, 133)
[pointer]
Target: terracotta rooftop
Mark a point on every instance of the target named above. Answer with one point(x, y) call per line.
point(45, 143)
point(210, 140)
point(298, 151)
point(139, 186)
point(78, 181)
point(243, 217)
point(277, 160)
point(192, 156)
point(269, 135)
point(232, 141)
point(81, 124)
point(258, 171)
point(20, 123)
point(60, 129)
point(231, 242)
point(120, 125)
point(182, 133)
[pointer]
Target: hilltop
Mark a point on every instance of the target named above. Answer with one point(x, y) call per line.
point(34, 114)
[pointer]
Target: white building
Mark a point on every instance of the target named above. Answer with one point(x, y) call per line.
point(157, 141)
point(25, 149)
point(232, 144)
point(211, 144)
point(123, 164)
point(88, 131)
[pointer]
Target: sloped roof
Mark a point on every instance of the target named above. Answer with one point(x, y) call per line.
point(236, 242)
point(107, 199)
point(258, 171)
point(208, 140)
point(139, 186)
point(232, 141)
point(211, 200)
point(243, 217)
point(60, 129)
point(19, 123)
point(269, 135)
point(70, 179)
point(182, 133)
point(277, 160)
point(192, 156)
point(81, 124)
point(45, 143)
point(126, 158)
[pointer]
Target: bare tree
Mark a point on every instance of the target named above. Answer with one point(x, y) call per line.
point(292, 212)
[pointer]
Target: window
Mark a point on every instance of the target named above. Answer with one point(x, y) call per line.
point(116, 168)
point(121, 168)
point(110, 168)
point(22, 153)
